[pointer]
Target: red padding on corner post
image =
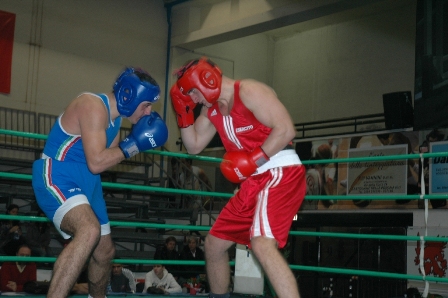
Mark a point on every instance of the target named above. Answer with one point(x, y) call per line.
point(7, 24)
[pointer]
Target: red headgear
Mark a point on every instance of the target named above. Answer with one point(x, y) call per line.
point(203, 75)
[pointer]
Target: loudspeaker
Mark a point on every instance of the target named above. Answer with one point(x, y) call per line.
point(398, 110)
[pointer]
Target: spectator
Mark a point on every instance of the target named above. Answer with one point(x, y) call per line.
point(159, 279)
point(13, 275)
point(122, 280)
point(168, 252)
point(38, 237)
point(11, 232)
point(130, 275)
point(192, 252)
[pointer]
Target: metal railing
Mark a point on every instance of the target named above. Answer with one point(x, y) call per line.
point(340, 126)
point(21, 121)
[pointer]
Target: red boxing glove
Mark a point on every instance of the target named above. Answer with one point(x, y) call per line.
point(183, 105)
point(238, 165)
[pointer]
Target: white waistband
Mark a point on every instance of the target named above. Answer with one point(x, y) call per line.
point(283, 158)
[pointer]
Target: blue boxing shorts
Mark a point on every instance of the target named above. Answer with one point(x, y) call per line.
point(61, 186)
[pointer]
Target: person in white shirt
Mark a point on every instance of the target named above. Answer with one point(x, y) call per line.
point(159, 278)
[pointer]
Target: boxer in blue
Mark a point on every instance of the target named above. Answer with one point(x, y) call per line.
point(84, 142)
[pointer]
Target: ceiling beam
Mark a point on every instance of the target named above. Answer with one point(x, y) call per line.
point(278, 17)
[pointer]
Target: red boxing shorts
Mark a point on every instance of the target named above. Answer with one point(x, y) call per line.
point(264, 206)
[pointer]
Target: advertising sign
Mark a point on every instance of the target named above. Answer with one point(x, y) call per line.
point(438, 169)
point(377, 177)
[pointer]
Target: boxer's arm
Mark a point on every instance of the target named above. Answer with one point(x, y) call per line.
point(93, 120)
point(115, 141)
point(197, 136)
point(267, 108)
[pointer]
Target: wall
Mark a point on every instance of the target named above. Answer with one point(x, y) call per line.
point(63, 48)
point(333, 71)
point(342, 70)
point(202, 23)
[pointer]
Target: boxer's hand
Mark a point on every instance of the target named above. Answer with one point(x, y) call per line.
point(148, 133)
point(237, 165)
point(183, 105)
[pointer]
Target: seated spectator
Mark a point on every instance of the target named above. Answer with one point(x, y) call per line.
point(192, 252)
point(38, 237)
point(11, 233)
point(13, 275)
point(158, 280)
point(168, 252)
point(122, 280)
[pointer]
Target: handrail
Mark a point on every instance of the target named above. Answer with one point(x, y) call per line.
point(340, 119)
point(347, 122)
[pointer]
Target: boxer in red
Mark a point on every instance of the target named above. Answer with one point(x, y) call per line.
point(256, 131)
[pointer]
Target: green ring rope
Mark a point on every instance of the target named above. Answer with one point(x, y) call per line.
point(216, 159)
point(206, 228)
point(229, 195)
point(317, 234)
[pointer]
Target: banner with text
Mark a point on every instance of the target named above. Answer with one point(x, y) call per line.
point(438, 169)
point(377, 177)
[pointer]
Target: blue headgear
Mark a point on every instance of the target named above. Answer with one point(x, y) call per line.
point(133, 87)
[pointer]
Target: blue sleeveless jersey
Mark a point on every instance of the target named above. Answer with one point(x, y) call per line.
point(67, 147)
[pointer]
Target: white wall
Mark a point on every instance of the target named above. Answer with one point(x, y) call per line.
point(65, 47)
point(342, 70)
point(339, 70)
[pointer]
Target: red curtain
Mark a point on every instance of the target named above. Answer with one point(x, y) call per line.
point(7, 23)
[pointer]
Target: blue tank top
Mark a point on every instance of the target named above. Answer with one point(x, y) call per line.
point(63, 146)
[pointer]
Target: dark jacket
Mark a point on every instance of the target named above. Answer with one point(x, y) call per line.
point(162, 253)
point(192, 270)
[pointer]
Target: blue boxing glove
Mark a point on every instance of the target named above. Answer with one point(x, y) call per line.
point(148, 133)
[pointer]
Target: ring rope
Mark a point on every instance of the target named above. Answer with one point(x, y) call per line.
point(229, 195)
point(216, 159)
point(422, 239)
point(206, 228)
